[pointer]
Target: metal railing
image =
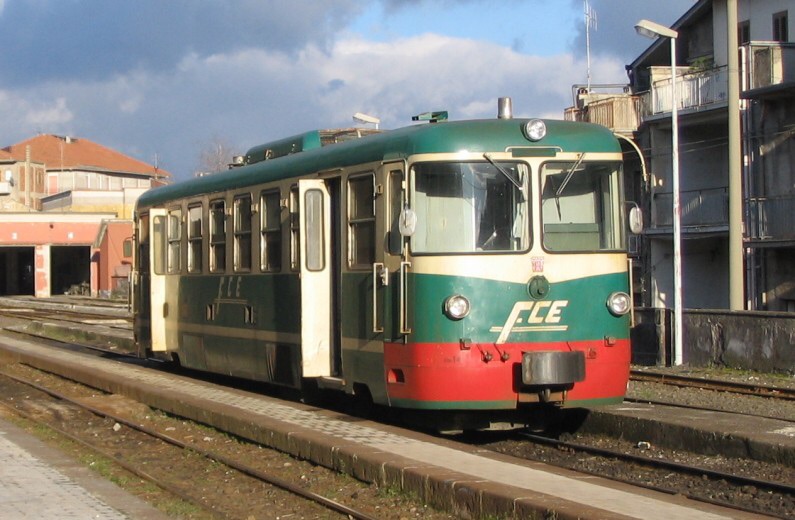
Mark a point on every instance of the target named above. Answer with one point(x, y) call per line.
point(771, 218)
point(694, 90)
point(700, 208)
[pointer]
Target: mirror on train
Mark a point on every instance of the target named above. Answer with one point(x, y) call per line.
point(635, 220)
point(407, 223)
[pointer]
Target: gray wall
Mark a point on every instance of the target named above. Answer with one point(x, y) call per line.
point(763, 341)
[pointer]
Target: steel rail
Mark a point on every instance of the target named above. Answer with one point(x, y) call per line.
point(242, 468)
point(704, 408)
point(665, 464)
point(757, 390)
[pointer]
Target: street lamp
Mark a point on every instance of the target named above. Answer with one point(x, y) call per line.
point(655, 30)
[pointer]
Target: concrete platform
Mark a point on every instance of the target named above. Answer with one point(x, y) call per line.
point(37, 481)
point(446, 474)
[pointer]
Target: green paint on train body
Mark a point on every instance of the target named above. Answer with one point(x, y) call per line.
point(574, 310)
point(491, 135)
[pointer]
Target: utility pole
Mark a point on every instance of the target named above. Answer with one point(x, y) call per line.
point(736, 268)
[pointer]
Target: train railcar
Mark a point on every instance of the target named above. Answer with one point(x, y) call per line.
point(471, 267)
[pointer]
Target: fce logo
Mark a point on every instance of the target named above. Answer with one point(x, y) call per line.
point(537, 316)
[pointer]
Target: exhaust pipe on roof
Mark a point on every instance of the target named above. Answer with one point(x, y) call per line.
point(504, 108)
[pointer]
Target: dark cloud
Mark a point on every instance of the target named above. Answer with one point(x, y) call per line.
point(87, 39)
point(615, 33)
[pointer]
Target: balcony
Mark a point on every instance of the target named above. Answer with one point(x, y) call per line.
point(695, 90)
point(620, 113)
point(771, 218)
point(707, 208)
point(767, 64)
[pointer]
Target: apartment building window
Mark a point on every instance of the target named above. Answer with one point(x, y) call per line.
point(217, 236)
point(780, 23)
point(744, 32)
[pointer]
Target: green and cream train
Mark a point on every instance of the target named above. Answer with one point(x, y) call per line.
point(474, 267)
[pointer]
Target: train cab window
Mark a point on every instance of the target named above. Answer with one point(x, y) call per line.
point(217, 236)
point(361, 221)
point(581, 206)
point(295, 226)
point(195, 239)
point(271, 230)
point(243, 233)
point(470, 207)
point(396, 201)
point(174, 240)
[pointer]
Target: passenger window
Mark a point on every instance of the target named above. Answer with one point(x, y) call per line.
point(174, 240)
point(243, 233)
point(195, 239)
point(395, 207)
point(295, 225)
point(159, 244)
point(217, 236)
point(361, 220)
point(271, 230)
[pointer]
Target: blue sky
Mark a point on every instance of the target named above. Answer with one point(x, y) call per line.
point(162, 80)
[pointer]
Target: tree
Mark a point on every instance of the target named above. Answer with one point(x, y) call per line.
point(214, 156)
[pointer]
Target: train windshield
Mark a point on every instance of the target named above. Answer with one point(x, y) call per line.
point(581, 206)
point(470, 207)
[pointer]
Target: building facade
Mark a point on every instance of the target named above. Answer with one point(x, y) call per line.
point(642, 112)
point(65, 215)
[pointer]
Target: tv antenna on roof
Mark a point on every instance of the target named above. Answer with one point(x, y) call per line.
point(590, 21)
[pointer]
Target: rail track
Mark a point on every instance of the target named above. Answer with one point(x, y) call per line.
point(718, 385)
point(771, 490)
point(166, 480)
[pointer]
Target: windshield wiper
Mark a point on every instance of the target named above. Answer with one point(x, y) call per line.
point(565, 183)
point(504, 172)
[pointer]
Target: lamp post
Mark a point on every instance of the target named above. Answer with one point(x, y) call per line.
point(655, 30)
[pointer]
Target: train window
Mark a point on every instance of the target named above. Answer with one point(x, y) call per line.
point(271, 230)
point(143, 244)
point(470, 207)
point(243, 233)
point(159, 244)
point(581, 206)
point(174, 240)
point(217, 236)
point(295, 226)
point(361, 221)
point(315, 247)
point(396, 201)
point(195, 238)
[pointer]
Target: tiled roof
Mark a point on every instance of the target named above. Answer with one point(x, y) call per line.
point(58, 152)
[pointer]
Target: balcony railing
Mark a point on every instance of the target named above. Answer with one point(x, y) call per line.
point(694, 90)
point(767, 63)
point(620, 113)
point(700, 208)
point(771, 218)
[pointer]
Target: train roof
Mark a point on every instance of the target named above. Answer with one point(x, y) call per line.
point(305, 154)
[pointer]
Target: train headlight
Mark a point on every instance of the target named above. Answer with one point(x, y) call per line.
point(535, 130)
point(619, 303)
point(456, 307)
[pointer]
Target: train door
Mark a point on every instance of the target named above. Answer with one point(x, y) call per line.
point(388, 304)
point(157, 279)
point(317, 318)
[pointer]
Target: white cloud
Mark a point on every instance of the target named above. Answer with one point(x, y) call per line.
point(253, 95)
